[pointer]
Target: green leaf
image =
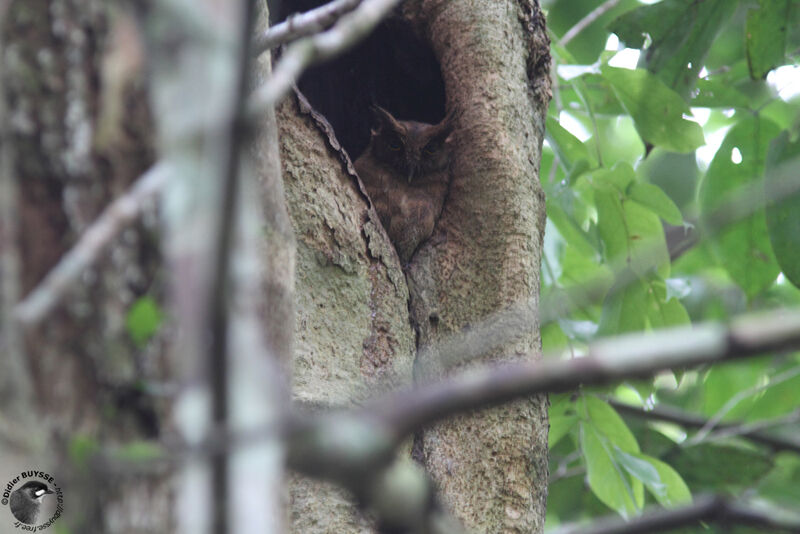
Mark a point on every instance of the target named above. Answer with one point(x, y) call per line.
point(783, 216)
point(625, 310)
point(681, 31)
point(566, 225)
point(665, 312)
point(656, 109)
point(139, 451)
point(561, 403)
point(651, 196)
point(621, 176)
point(612, 426)
point(607, 479)
point(675, 174)
point(81, 448)
point(591, 90)
point(553, 338)
point(661, 480)
point(632, 234)
point(743, 247)
point(560, 425)
point(577, 268)
point(777, 400)
point(143, 320)
point(766, 36)
point(713, 93)
point(781, 483)
point(569, 149)
point(587, 44)
point(719, 466)
point(723, 382)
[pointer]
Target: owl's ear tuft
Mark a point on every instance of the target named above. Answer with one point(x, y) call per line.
point(446, 125)
point(385, 121)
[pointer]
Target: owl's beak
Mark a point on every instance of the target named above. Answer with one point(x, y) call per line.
point(411, 172)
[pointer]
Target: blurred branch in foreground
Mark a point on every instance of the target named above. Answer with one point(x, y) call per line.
point(302, 24)
point(300, 55)
point(707, 508)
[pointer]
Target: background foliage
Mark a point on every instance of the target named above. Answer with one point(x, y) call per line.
point(672, 186)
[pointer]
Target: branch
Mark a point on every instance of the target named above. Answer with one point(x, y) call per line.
point(672, 415)
point(349, 447)
point(217, 311)
point(592, 16)
point(121, 212)
point(350, 29)
point(704, 508)
point(300, 25)
point(733, 401)
point(609, 360)
point(320, 445)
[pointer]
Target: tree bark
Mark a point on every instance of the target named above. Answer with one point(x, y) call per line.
point(352, 337)
point(76, 133)
point(484, 257)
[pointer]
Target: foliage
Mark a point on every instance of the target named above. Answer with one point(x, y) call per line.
point(672, 184)
point(143, 320)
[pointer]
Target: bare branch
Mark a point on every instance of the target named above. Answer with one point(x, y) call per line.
point(120, 213)
point(609, 360)
point(586, 21)
point(350, 29)
point(704, 508)
point(752, 432)
point(348, 446)
point(302, 24)
point(380, 425)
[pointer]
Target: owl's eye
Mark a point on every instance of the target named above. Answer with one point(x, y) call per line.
point(393, 143)
point(431, 149)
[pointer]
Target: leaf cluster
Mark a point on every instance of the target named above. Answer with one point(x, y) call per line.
point(672, 171)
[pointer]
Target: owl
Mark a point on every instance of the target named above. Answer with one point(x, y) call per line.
point(406, 170)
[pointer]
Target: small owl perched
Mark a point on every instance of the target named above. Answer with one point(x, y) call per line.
point(406, 170)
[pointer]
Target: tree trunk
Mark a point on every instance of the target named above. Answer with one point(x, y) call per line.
point(352, 337)
point(75, 134)
point(484, 257)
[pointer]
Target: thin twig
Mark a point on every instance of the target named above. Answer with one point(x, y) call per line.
point(755, 428)
point(704, 508)
point(592, 16)
point(672, 415)
point(121, 212)
point(302, 24)
point(733, 401)
point(349, 30)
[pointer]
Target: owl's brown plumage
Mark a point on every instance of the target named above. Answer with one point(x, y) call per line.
point(406, 170)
